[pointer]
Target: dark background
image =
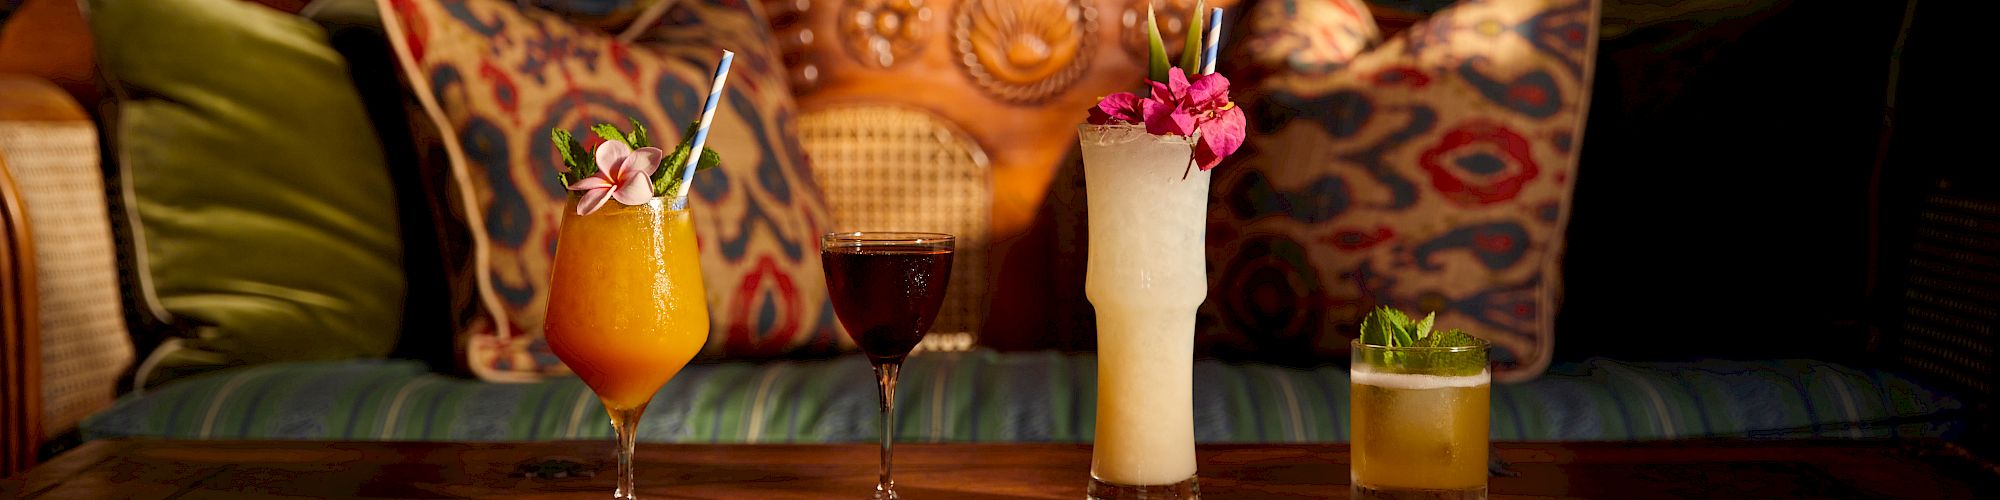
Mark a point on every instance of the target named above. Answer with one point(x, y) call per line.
point(1735, 175)
point(1812, 181)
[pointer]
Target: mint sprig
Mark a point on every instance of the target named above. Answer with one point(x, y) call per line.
point(637, 138)
point(1423, 328)
point(1382, 326)
point(666, 179)
point(1453, 338)
point(573, 154)
point(1388, 327)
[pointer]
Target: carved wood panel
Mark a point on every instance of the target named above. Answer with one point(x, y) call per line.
point(881, 32)
point(1025, 50)
point(1016, 76)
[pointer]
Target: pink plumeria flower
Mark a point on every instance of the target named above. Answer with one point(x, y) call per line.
point(622, 173)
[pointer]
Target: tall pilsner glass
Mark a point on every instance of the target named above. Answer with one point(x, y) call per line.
point(1145, 279)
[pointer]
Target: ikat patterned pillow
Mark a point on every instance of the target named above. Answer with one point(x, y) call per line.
point(1431, 172)
point(496, 77)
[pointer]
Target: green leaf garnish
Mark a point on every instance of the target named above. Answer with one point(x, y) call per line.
point(562, 141)
point(637, 138)
point(1452, 338)
point(1156, 54)
point(665, 179)
point(675, 160)
point(1387, 327)
point(610, 133)
point(709, 159)
point(668, 177)
point(1376, 328)
point(1191, 48)
point(573, 154)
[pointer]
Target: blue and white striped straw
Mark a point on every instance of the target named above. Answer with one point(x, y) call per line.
point(701, 131)
point(1214, 39)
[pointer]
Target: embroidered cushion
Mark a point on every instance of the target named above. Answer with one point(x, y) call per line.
point(1307, 36)
point(606, 14)
point(1430, 172)
point(496, 77)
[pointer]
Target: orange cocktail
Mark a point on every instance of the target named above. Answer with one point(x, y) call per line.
point(626, 305)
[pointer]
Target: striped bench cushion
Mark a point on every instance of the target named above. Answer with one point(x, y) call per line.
point(985, 396)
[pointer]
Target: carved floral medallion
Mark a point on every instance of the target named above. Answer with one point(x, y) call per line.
point(879, 33)
point(1025, 51)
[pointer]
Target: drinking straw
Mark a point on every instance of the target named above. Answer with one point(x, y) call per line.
point(1214, 37)
point(701, 131)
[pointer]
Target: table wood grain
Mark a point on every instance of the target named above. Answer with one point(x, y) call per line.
point(279, 469)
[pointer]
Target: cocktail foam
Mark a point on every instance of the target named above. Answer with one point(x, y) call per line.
point(1413, 381)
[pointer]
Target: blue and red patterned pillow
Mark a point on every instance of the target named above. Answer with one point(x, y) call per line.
point(606, 14)
point(1430, 172)
point(496, 76)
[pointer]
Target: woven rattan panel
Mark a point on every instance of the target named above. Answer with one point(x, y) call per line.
point(84, 344)
point(1951, 305)
point(897, 169)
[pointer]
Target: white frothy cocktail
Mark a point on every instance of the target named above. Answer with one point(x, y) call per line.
point(1146, 276)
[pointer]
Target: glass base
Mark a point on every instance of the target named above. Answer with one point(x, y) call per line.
point(1360, 491)
point(1101, 490)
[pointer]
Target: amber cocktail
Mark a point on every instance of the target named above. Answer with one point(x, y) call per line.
point(1421, 416)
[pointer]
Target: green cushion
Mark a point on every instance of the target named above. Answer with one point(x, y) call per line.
point(255, 186)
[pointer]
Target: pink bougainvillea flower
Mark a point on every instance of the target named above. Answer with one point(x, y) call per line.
point(1220, 137)
point(1122, 107)
point(1166, 112)
point(1219, 120)
point(623, 173)
point(1183, 108)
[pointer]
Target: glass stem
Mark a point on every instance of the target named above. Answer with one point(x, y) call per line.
point(885, 379)
point(626, 423)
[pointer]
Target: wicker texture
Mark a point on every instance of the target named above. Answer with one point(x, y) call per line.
point(1952, 298)
point(898, 169)
point(84, 343)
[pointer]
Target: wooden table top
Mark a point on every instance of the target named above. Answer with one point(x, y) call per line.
point(211, 469)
